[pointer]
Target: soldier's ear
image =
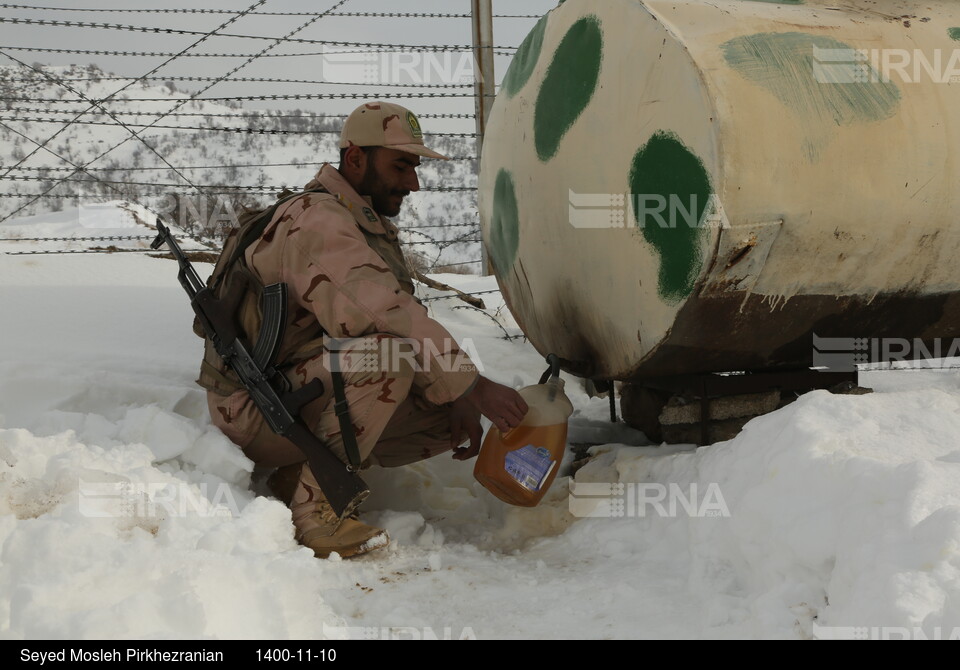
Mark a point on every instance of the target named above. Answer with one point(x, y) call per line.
point(354, 159)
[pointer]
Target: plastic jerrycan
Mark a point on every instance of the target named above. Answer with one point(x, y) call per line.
point(520, 465)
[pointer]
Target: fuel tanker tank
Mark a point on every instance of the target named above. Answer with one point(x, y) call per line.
point(686, 186)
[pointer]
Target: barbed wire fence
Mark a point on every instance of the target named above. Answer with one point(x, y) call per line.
point(46, 109)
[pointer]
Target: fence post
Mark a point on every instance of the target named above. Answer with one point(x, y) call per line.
point(485, 84)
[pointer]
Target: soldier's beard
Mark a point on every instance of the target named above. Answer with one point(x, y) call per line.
point(386, 201)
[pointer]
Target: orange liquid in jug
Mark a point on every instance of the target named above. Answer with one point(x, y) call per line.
point(518, 467)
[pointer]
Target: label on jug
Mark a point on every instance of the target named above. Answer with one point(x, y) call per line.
point(529, 466)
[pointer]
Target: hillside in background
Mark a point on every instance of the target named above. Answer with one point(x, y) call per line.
point(204, 161)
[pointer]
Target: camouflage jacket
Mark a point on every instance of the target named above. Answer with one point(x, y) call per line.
point(346, 277)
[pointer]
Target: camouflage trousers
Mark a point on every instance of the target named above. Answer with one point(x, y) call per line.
point(392, 423)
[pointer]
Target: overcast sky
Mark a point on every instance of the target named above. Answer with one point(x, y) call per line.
point(433, 68)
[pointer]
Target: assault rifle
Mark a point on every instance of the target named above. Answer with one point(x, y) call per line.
point(268, 388)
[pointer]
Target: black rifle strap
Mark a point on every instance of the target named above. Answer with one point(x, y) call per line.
point(342, 410)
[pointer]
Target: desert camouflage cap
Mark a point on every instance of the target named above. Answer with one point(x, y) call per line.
point(383, 124)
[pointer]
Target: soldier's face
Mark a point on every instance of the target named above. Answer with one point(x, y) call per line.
point(389, 177)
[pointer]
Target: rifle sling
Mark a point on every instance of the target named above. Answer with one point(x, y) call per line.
point(342, 410)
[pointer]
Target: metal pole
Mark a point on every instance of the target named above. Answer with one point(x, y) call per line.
point(484, 81)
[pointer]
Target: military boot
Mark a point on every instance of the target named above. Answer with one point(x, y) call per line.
point(319, 528)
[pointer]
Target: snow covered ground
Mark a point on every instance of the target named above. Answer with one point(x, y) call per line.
point(125, 515)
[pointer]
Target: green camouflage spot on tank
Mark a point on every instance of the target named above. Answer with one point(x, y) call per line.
point(568, 86)
point(954, 33)
point(819, 88)
point(504, 224)
point(671, 191)
point(822, 90)
point(521, 67)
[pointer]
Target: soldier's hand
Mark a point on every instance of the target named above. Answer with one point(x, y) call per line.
point(465, 417)
point(501, 404)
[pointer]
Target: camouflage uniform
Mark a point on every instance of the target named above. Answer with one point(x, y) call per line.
point(346, 277)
